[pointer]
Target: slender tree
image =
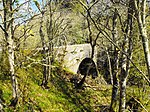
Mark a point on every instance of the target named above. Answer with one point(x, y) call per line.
point(93, 34)
point(54, 28)
point(140, 10)
point(45, 78)
point(8, 29)
point(50, 34)
point(125, 63)
point(114, 62)
point(92, 40)
point(43, 41)
point(9, 26)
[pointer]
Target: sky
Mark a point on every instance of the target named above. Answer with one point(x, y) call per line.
point(24, 10)
point(32, 4)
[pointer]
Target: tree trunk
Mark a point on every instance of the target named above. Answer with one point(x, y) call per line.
point(45, 79)
point(11, 64)
point(125, 63)
point(80, 84)
point(140, 15)
point(114, 64)
point(110, 67)
point(9, 36)
point(50, 35)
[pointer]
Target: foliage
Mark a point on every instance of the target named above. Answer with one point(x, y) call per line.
point(60, 97)
point(69, 27)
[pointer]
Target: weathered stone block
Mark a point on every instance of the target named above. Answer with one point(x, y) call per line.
point(71, 55)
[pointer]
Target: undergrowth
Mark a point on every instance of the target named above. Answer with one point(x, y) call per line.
point(62, 95)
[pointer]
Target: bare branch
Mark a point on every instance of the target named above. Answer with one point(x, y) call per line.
point(4, 30)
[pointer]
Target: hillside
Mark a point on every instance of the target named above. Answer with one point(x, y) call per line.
point(61, 96)
point(35, 52)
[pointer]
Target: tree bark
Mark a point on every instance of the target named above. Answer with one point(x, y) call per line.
point(110, 67)
point(125, 63)
point(50, 34)
point(114, 64)
point(45, 79)
point(12, 69)
point(9, 36)
point(140, 16)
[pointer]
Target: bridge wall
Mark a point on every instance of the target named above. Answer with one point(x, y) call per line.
point(71, 55)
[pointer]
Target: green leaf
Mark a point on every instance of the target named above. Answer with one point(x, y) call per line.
point(37, 4)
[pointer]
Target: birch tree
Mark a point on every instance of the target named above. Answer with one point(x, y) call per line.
point(114, 62)
point(43, 41)
point(56, 30)
point(50, 32)
point(42, 11)
point(8, 29)
point(126, 49)
point(140, 10)
point(12, 19)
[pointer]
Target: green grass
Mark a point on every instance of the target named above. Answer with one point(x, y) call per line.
point(62, 96)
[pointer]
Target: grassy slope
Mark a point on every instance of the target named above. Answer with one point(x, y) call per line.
point(62, 97)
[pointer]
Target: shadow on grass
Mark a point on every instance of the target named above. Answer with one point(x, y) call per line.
point(79, 97)
point(78, 100)
point(4, 77)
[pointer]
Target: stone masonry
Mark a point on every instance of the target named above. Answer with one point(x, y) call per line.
point(71, 55)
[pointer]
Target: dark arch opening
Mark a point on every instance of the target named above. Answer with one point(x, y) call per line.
point(87, 67)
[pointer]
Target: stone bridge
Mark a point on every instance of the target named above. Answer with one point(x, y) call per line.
point(71, 55)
